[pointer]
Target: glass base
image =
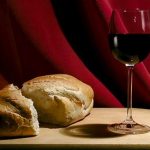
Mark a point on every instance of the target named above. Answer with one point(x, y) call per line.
point(128, 127)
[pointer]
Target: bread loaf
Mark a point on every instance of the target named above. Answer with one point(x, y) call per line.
point(18, 116)
point(60, 99)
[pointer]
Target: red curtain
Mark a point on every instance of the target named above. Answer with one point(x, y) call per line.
point(39, 37)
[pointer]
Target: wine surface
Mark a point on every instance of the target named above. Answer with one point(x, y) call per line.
point(130, 49)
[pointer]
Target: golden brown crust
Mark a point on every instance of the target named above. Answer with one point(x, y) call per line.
point(67, 81)
point(18, 116)
point(62, 98)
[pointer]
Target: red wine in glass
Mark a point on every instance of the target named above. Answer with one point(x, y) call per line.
point(130, 48)
point(129, 40)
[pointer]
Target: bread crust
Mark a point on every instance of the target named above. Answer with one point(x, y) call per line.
point(60, 99)
point(18, 116)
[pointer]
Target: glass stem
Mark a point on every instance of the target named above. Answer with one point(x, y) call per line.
point(129, 93)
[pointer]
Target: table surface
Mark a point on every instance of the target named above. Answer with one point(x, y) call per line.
point(89, 133)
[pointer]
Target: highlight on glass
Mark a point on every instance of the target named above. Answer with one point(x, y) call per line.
point(129, 40)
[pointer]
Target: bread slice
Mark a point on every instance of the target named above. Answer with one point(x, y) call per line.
point(18, 116)
point(59, 99)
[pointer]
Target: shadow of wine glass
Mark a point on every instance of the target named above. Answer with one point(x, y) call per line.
point(89, 131)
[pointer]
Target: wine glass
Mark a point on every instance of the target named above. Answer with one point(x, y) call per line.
point(129, 40)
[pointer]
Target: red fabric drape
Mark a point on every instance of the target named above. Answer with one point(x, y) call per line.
point(97, 21)
point(34, 43)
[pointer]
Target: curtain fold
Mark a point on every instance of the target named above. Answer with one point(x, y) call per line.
point(96, 22)
point(34, 39)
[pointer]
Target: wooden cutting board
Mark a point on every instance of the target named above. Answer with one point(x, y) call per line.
point(89, 133)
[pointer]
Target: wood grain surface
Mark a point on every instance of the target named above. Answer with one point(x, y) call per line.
point(89, 133)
